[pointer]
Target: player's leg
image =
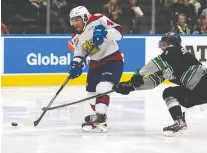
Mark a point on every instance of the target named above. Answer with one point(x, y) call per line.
point(199, 93)
point(110, 75)
point(176, 96)
point(93, 79)
point(173, 97)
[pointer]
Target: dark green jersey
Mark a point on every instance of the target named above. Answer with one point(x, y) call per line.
point(175, 64)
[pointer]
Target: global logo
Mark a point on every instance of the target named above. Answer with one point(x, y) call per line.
point(38, 59)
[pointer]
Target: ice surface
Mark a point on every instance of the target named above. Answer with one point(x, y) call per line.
point(135, 124)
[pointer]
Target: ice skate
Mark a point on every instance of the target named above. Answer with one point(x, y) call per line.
point(177, 128)
point(95, 123)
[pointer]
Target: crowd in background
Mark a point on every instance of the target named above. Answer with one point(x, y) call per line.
point(188, 16)
point(181, 16)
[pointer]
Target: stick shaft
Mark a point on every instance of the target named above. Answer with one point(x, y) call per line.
point(52, 100)
point(60, 89)
point(80, 101)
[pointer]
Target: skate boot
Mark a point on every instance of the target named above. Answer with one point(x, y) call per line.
point(177, 128)
point(96, 123)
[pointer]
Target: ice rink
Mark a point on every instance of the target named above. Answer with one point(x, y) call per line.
point(135, 124)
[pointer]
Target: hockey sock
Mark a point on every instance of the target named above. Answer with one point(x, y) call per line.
point(175, 112)
point(89, 107)
point(102, 104)
point(174, 107)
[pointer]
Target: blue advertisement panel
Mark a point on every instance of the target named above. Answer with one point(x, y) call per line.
point(51, 55)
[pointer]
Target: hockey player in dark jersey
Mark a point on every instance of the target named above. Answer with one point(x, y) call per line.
point(180, 67)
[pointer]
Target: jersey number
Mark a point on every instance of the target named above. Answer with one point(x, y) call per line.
point(184, 50)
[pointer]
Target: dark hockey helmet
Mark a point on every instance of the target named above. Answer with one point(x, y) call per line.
point(171, 38)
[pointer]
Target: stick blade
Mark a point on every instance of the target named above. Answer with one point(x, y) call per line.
point(39, 119)
point(36, 123)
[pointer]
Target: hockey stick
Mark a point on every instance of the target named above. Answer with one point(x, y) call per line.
point(76, 102)
point(60, 89)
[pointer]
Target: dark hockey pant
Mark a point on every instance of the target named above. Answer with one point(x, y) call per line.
point(186, 97)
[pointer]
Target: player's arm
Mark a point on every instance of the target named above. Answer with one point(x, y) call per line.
point(74, 69)
point(154, 65)
point(151, 81)
point(78, 50)
point(149, 77)
point(139, 82)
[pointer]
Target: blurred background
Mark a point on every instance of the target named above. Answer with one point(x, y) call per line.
point(136, 16)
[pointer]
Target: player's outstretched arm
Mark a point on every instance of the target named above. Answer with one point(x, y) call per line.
point(139, 82)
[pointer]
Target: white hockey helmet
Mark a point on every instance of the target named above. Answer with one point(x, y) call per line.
point(79, 11)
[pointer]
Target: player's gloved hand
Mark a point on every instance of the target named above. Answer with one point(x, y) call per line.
point(137, 79)
point(99, 34)
point(74, 70)
point(124, 88)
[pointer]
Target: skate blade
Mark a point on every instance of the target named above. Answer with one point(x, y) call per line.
point(98, 129)
point(181, 132)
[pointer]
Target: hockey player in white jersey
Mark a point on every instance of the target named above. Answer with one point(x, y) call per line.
point(106, 61)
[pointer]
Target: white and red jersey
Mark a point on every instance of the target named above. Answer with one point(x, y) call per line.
point(109, 50)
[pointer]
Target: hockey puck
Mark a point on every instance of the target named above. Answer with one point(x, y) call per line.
point(14, 124)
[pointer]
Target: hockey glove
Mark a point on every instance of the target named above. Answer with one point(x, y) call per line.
point(99, 34)
point(126, 87)
point(137, 79)
point(123, 88)
point(74, 70)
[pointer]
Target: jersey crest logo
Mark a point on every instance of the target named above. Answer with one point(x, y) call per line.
point(87, 46)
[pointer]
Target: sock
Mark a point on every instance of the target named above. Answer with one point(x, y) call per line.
point(89, 107)
point(174, 107)
point(175, 112)
point(102, 104)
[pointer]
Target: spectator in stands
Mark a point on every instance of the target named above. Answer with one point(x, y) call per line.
point(201, 27)
point(131, 16)
point(4, 29)
point(181, 27)
point(113, 11)
point(175, 8)
point(196, 5)
point(58, 24)
point(204, 12)
point(189, 11)
point(135, 8)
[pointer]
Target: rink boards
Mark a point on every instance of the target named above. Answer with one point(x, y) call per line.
point(43, 60)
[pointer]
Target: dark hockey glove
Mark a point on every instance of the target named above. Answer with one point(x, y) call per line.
point(123, 88)
point(126, 87)
point(137, 79)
